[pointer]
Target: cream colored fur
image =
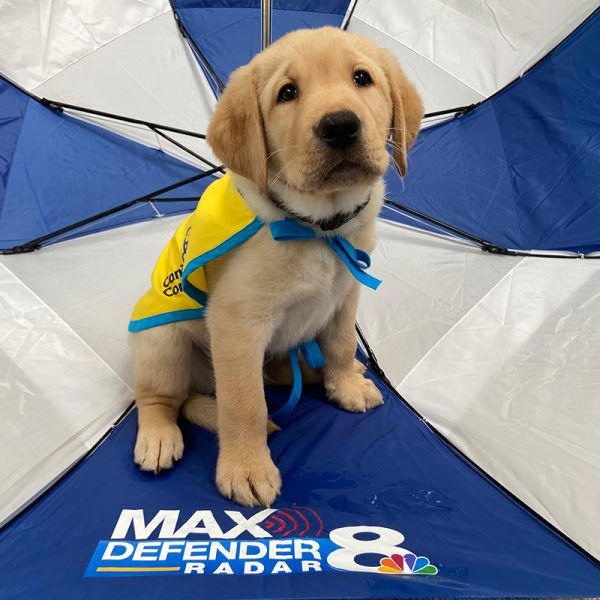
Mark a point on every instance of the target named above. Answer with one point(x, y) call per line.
point(266, 297)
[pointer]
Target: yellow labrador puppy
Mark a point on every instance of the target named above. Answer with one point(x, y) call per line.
point(303, 129)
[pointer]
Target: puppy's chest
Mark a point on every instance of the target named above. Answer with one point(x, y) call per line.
point(316, 283)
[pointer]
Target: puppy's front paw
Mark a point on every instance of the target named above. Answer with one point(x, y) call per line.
point(248, 481)
point(158, 448)
point(352, 391)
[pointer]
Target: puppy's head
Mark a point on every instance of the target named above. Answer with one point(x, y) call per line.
point(316, 110)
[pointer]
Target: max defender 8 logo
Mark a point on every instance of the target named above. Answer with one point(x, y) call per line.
point(269, 542)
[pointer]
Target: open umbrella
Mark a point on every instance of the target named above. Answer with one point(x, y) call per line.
point(479, 477)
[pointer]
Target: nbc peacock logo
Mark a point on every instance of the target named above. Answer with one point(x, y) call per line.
point(409, 564)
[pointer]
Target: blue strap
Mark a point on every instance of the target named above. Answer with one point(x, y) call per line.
point(312, 354)
point(314, 359)
point(296, 392)
point(357, 261)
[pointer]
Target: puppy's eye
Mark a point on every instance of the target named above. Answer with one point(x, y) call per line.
point(362, 79)
point(286, 93)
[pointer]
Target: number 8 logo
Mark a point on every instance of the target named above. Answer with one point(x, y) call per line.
point(385, 544)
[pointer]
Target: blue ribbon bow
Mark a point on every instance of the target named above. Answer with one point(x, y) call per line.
point(357, 261)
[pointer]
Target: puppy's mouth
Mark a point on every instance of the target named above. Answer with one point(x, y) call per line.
point(330, 172)
point(345, 172)
point(344, 167)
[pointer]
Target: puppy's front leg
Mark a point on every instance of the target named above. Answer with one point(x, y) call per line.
point(245, 470)
point(342, 373)
point(162, 375)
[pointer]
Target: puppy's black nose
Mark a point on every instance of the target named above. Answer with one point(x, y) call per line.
point(339, 129)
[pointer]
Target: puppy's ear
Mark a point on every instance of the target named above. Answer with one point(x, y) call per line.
point(407, 109)
point(236, 132)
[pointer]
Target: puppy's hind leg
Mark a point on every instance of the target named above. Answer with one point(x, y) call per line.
point(162, 375)
point(344, 377)
point(201, 410)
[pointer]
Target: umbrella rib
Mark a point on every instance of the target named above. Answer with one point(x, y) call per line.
point(484, 244)
point(59, 106)
point(196, 50)
point(186, 149)
point(37, 242)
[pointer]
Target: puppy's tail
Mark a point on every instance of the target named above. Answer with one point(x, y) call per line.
point(202, 411)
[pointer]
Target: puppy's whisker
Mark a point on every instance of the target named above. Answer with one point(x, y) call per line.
point(396, 145)
point(281, 150)
point(278, 175)
point(281, 172)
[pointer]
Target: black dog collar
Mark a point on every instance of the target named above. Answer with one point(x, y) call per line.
point(329, 224)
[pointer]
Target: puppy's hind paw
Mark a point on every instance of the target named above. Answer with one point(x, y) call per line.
point(158, 448)
point(359, 367)
point(353, 392)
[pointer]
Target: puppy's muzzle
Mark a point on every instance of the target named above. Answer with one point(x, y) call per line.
point(339, 130)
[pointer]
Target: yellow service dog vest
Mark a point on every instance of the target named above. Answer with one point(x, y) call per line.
point(178, 292)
